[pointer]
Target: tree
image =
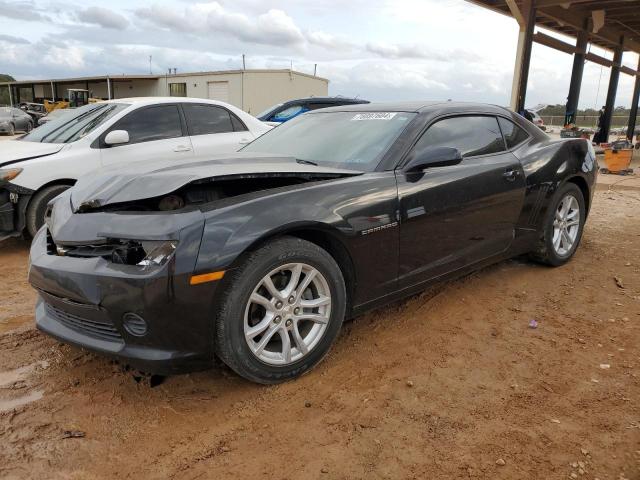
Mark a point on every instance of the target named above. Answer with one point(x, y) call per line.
point(4, 92)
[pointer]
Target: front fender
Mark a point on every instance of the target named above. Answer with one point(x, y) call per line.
point(226, 237)
point(360, 212)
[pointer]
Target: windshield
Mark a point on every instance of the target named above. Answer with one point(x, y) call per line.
point(268, 111)
point(349, 140)
point(76, 124)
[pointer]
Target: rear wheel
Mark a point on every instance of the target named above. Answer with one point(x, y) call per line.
point(38, 206)
point(562, 228)
point(29, 127)
point(281, 311)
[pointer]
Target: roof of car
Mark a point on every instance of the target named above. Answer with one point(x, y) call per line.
point(155, 100)
point(416, 107)
point(327, 100)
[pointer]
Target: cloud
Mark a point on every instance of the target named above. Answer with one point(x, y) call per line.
point(53, 58)
point(329, 41)
point(404, 51)
point(211, 19)
point(21, 11)
point(12, 39)
point(103, 17)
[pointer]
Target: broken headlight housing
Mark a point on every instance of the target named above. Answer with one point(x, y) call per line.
point(157, 253)
point(143, 253)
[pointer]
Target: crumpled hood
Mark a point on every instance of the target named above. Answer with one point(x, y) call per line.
point(15, 151)
point(144, 180)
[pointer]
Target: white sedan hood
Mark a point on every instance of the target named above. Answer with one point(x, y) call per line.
point(15, 151)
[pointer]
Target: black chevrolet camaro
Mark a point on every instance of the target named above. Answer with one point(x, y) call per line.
point(258, 257)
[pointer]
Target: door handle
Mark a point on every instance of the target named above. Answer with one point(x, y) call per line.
point(182, 148)
point(511, 175)
point(244, 141)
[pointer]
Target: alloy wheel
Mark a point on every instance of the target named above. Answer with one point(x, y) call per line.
point(287, 314)
point(566, 225)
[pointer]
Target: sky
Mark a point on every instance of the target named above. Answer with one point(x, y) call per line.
point(381, 50)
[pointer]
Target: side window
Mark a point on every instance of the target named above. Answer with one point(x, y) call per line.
point(207, 119)
point(513, 134)
point(472, 135)
point(238, 125)
point(289, 113)
point(153, 123)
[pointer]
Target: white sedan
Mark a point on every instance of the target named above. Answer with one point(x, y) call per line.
point(42, 164)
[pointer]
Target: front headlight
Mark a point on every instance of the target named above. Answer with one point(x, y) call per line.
point(143, 253)
point(157, 253)
point(8, 174)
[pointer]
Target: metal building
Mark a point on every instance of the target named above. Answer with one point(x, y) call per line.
point(251, 90)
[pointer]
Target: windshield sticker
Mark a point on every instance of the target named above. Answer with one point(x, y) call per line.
point(374, 116)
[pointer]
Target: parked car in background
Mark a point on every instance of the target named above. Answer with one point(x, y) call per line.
point(257, 257)
point(283, 112)
point(35, 110)
point(54, 114)
point(13, 120)
point(44, 163)
point(536, 119)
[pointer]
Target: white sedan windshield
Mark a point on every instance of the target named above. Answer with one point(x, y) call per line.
point(353, 140)
point(75, 124)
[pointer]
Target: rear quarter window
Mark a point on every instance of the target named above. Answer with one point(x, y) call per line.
point(513, 134)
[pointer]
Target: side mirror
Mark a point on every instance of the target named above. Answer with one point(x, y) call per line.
point(116, 137)
point(433, 157)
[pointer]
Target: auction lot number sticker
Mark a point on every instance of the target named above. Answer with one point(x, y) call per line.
point(373, 116)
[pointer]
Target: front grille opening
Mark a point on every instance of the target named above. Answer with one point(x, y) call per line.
point(103, 329)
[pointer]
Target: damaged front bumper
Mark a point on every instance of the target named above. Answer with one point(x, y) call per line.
point(149, 318)
point(13, 209)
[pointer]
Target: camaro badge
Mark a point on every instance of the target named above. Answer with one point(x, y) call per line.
point(377, 229)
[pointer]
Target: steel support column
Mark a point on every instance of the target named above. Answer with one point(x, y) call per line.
point(611, 92)
point(576, 78)
point(634, 106)
point(523, 56)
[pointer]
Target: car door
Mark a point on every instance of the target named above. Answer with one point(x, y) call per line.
point(454, 216)
point(155, 132)
point(214, 129)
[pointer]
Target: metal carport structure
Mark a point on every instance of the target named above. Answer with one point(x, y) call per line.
point(613, 25)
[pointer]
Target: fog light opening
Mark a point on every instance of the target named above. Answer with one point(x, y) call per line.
point(134, 324)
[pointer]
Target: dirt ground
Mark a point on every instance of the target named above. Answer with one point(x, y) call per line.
point(449, 384)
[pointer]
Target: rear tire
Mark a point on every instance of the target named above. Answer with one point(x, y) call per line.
point(562, 227)
point(29, 127)
point(292, 336)
point(38, 206)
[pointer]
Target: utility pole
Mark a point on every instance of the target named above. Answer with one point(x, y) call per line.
point(244, 67)
point(150, 72)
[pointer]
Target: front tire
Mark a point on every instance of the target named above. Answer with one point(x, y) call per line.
point(562, 228)
point(281, 311)
point(38, 206)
